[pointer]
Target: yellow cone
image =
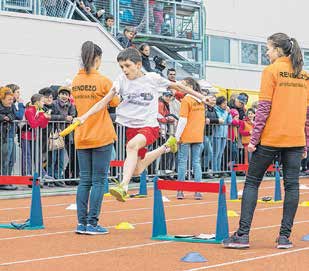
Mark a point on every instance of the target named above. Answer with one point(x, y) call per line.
point(232, 213)
point(124, 226)
point(304, 204)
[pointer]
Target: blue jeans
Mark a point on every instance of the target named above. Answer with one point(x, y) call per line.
point(183, 154)
point(218, 150)
point(261, 159)
point(208, 151)
point(55, 163)
point(94, 166)
point(11, 155)
point(26, 152)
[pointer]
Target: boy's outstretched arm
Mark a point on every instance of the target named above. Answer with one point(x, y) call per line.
point(180, 87)
point(98, 106)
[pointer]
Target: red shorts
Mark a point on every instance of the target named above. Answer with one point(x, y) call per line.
point(151, 134)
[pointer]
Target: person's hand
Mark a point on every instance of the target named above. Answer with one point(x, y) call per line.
point(304, 154)
point(170, 119)
point(205, 99)
point(228, 109)
point(6, 118)
point(81, 119)
point(100, 13)
point(251, 148)
point(207, 121)
point(69, 118)
point(48, 116)
point(221, 121)
point(250, 132)
point(88, 9)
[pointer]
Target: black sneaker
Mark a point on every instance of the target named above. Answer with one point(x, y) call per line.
point(236, 241)
point(283, 242)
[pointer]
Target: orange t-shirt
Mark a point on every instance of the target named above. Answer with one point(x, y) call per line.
point(289, 99)
point(194, 111)
point(98, 129)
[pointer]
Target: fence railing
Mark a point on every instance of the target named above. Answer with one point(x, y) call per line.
point(25, 150)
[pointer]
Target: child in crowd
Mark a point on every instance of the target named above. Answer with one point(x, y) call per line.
point(245, 129)
point(127, 37)
point(36, 117)
point(233, 135)
point(190, 134)
point(138, 112)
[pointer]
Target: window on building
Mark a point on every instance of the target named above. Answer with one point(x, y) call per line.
point(249, 53)
point(207, 47)
point(219, 49)
point(264, 58)
point(306, 60)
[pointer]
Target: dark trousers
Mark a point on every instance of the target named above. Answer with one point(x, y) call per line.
point(261, 159)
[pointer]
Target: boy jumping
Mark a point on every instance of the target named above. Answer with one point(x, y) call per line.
point(138, 112)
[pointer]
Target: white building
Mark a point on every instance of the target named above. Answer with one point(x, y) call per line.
point(237, 31)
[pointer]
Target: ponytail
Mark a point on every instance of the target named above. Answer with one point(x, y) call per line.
point(89, 52)
point(193, 84)
point(296, 57)
point(289, 48)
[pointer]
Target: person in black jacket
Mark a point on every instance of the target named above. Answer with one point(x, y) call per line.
point(211, 120)
point(127, 37)
point(239, 103)
point(6, 117)
point(144, 49)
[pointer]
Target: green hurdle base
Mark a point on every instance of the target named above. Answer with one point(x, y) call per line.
point(188, 239)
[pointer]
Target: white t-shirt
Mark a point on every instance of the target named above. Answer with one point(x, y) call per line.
point(139, 105)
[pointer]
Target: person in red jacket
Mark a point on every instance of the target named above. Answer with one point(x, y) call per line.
point(245, 129)
point(36, 118)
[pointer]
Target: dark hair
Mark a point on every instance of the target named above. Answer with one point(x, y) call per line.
point(250, 110)
point(170, 70)
point(13, 87)
point(193, 83)
point(142, 47)
point(46, 92)
point(109, 17)
point(89, 52)
point(35, 98)
point(220, 100)
point(290, 48)
point(131, 54)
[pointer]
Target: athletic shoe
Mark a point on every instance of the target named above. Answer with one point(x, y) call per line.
point(198, 196)
point(80, 229)
point(94, 230)
point(283, 242)
point(236, 241)
point(172, 144)
point(180, 195)
point(118, 192)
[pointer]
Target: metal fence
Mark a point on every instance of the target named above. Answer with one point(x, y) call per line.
point(25, 150)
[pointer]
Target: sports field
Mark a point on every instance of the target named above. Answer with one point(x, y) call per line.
point(57, 247)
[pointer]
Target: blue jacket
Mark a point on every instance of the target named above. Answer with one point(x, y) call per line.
point(221, 130)
point(19, 114)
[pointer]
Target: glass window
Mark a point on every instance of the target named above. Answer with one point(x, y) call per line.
point(264, 58)
point(306, 60)
point(249, 53)
point(219, 49)
point(207, 48)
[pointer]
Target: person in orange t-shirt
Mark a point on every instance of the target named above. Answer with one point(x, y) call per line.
point(279, 130)
point(93, 140)
point(190, 135)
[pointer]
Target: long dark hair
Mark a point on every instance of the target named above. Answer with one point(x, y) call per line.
point(193, 84)
point(290, 48)
point(89, 52)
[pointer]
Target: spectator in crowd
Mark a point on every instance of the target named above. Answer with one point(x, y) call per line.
point(88, 7)
point(94, 139)
point(109, 23)
point(158, 13)
point(67, 112)
point(190, 135)
point(233, 135)
point(19, 111)
point(211, 120)
point(160, 65)
point(142, 26)
point(144, 49)
point(178, 95)
point(127, 37)
point(245, 129)
point(220, 132)
point(239, 104)
point(6, 118)
point(36, 118)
